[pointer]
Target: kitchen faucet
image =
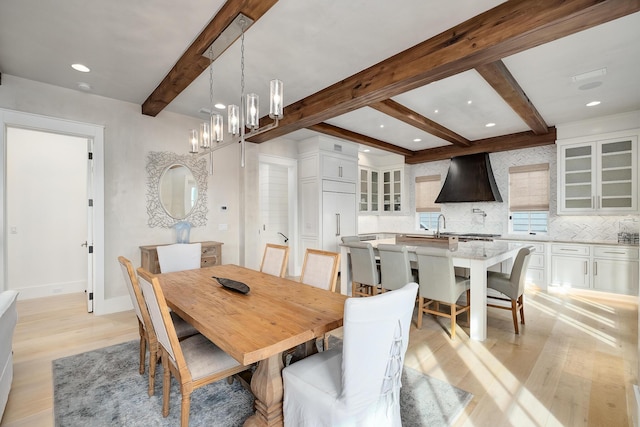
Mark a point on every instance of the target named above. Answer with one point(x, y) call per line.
point(444, 225)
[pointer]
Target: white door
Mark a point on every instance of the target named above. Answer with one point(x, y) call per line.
point(338, 218)
point(278, 206)
point(90, 226)
point(46, 206)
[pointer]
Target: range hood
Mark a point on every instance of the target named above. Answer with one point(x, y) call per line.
point(469, 179)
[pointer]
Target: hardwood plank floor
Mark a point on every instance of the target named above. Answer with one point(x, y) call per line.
point(574, 363)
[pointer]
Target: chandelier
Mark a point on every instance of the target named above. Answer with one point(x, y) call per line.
point(243, 121)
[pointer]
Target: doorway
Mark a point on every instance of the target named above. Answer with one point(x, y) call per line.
point(51, 207)
point(278, 205)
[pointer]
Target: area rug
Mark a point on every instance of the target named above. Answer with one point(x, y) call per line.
point(103, 388)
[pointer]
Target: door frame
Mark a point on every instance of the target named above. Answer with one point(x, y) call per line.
point(11, 118)
point(292, 186)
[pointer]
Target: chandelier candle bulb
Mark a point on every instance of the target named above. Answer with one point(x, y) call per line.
point(193, 141)
point(234, 119)
point(205, 135)
point(253, 111)
point(217, 128)
point(276, 97)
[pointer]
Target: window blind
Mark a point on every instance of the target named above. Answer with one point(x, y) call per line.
point(427, 189)
point(529, 188)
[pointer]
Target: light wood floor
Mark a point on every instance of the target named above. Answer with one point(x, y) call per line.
point(574, 363)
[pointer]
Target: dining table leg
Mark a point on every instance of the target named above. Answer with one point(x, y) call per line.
point(266, 385)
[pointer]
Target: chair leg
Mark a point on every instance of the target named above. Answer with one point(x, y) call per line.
point(184, 409)
point(521, 302)
point(153, 361)
point(453, 321)
point(166, 385)
point(143, 346)
point(420, 311)
point(469, 305)
point(514, 312)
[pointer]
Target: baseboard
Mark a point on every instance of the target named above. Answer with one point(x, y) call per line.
point(51, 289)
point(636, 415)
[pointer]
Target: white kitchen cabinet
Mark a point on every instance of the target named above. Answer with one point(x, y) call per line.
point(570, 265)
point(598, 176)
point(536, 271)
point(369, 200)
point(392, 190)
point(615, 269)
point(328, 173)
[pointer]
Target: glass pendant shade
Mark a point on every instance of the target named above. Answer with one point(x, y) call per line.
point(275, 99)
point(193, 141)
point(234, 119)
point(205, 135)
point(253, 114)
point(217, 128)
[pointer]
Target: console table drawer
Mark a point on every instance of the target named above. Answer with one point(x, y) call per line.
point(211, 255)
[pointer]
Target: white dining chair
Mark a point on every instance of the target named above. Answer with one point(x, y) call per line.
point(194, 361)
point(148, 338)
point(275, 260)
point(358, 384)
point(179, 257)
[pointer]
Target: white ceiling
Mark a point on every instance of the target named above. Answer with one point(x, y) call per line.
point(309, 45)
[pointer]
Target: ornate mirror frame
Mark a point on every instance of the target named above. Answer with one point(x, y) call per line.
point(157, 163)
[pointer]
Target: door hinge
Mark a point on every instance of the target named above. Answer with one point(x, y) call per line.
point(90, 202)
point(90, 249)
point(90, 155)
point(90, 296)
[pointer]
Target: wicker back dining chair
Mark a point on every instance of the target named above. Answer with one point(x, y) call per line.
point(179, 257)
point(275, 260)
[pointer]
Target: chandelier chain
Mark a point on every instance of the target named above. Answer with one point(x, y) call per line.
point(211, 81)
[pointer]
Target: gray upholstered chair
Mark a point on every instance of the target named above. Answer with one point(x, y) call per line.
point(179, 256)
point(439, 284)
point(194, 361)
point(395, 268)
point(145, 328)
point(358, 384)
point(350, 239)
point(510, 286)
point(275, 260)
point(365, 277)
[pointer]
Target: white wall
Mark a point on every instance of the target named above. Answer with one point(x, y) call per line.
point(129, 136)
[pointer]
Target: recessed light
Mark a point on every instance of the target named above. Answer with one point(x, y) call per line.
point(435, 111)
point(593, 103)
point(381, 126)
point(469, 102)
point(490, 125)
point(80, 67)
point(220, 106)
point(84, 86)
point(417, 140)
point(366, 150)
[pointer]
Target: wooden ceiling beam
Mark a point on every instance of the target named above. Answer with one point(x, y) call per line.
point(507, 29)
point(503, 82)
point(400, 112)
point(348, 135)
point(191, 64)
point(490, 145)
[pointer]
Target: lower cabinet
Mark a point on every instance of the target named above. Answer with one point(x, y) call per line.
point(211, 255)
point(596, 267)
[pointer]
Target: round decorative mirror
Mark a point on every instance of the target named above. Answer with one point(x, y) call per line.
point(178, 191)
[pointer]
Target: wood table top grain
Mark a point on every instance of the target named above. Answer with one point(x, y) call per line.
point(276, 315)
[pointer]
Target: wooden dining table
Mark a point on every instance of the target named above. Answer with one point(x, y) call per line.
point(276, 315)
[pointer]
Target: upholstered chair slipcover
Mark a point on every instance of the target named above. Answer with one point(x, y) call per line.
point(275, 260)
point(365, 277)
point(395, 268)
point(145, 328)
point(194, 361)
point(438, 283)
point(358, 385)
point(179, 257)
point(511, 285)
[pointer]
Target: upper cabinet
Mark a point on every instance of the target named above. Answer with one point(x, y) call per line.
point(598, 176)
point(381, 190)
point(339, 168)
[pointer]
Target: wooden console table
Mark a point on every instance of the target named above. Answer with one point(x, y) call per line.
point(211, 255)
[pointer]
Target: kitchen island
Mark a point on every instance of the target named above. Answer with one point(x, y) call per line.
point(476, 255)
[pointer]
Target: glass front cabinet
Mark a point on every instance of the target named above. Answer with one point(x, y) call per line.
point(380, 190)
point(598, 177)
